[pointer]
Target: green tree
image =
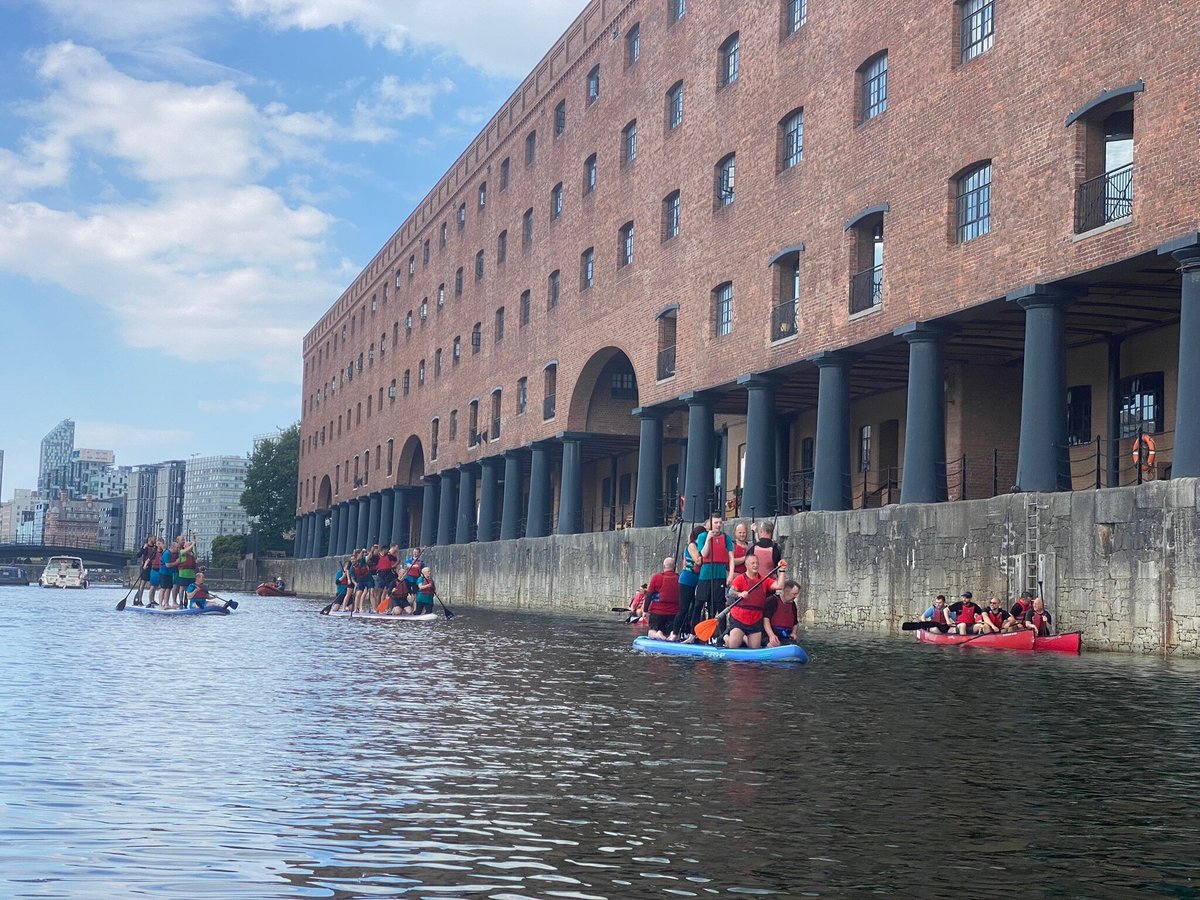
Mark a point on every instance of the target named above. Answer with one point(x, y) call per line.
point(270, 495)
point(227, 550)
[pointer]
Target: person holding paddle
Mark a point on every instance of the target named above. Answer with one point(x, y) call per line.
point(716, 556)
point(746, 616)
point(147, 554)
point(425, 591)
point(689, 577)
point(782, 612)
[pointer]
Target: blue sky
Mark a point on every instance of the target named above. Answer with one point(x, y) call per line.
point(186, 185)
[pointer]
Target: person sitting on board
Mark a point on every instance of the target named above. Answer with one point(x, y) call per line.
point(341, 583)
point(1023, 605)
point(994, 619)
point(425, 591)
point(385, 577)
point(938, 614)
point(199, 596)
point(280, 584)
point(663, 595)
point(412, 573)
point(782, 612)
point(741, 546)
point(637, 607)
point(966, 613)
point(746, 620)
point(1038, 619)
point(399, 601)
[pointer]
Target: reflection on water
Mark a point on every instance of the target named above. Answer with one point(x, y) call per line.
point(275, 753)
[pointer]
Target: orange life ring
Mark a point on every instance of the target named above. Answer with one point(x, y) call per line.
point(1146, 463)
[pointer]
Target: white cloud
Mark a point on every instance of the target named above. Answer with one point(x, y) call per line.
point(391, 102)
point(500, 37)
point(233, 405)
point(128, 21)
point(128, 441)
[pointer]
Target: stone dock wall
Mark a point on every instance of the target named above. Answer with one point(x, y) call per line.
point(1122, 565)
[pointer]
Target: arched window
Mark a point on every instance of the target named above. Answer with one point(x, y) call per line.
point(872, 78)
point(724, 185)
point(675, 105)
point(791, 135)
point(730, 55)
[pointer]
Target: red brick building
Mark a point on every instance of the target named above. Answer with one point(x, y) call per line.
point(767, 256)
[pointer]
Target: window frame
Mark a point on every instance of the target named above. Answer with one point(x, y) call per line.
point(587, 269)
point(873, 87)
point(633, 44)
point(722, 309)
point(730, 58)
point(675, 105)
point(791, 135)
point(629, 143)
point(672, 215)
point(725, 187)
point(591, 91)
point(973, 198)
point(976, 28)
point(625, 238)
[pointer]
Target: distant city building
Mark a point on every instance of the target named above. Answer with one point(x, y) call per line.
point(212, 499)
point(1, 474)
point(112, 483)
point(17, 516)
point(168, 499)
point(140, 517)
point(84, 475)
point(55, 451)
point(112, 523)
point(71, 523)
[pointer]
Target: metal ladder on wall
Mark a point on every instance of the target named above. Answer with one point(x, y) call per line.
point(1033, 544)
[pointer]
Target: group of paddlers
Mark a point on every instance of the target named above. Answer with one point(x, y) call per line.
point(172, 575)
point(965, 616)
point(738, 583)
point(373, 579)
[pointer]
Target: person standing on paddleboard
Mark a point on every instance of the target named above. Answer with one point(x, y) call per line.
point(689, 577)
point(716, 554)
point(425, 591)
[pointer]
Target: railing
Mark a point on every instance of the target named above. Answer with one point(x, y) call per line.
point(783, 320)
point(1146, 456)
point(548, 407)
point(666, 362)
point(1104, 199)
point(866, 290)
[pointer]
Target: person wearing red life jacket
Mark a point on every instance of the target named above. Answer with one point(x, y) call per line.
point(412, 573)
point(425, 592)
point(663, 594)
point(689, 577)
point(938, 614)
point(716, 558)
point(198, 594)
point(747, 624)
point(967, 613)
point(1038, 619)
point(782, 611)
point(741, 546)
point(364, 582)
point(1017, 613)
point(995, 618)
point(385, 577)
point(637, 607)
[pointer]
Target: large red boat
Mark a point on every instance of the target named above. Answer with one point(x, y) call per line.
point(1067, 642)
point(1009, 640)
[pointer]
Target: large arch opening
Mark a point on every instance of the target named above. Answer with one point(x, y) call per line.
point(411, 469)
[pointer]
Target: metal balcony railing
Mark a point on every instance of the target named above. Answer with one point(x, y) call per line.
point(1106, 198)
point(866, 290)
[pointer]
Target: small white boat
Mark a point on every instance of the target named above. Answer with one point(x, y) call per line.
point(64, 572)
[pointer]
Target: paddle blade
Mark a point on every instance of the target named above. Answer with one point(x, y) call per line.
point(232, 604)
point(325, 610)
point(705, 629)
point(917, 626)
point(121, 604)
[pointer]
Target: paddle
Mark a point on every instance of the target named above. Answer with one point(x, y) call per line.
point(232, 604)
point(445, 609)
point(325, 609)
point(706, 628)
point(924, 626)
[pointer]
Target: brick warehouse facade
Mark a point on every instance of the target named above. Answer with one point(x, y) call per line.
point(774, 255)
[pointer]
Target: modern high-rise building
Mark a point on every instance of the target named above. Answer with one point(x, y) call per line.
point(212, 499)
point(16, 513)
point(85, 475)
point(1, 474)
point(168, 499)
point(140, 517)
point(55, 451)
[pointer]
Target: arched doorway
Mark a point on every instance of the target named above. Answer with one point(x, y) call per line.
point(410, 472)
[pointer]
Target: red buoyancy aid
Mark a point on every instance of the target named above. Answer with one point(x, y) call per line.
point(766, 557)
point(750, 608)
point(784, 614)
point(995, 616)
point(1042, 621)
point(187, 560)
point(361, 569)
point(427, 587)
point(739, 559)
point(201, 592)
point(666, 585)
point(940, 617)
point(386, 563)
point(716, 549)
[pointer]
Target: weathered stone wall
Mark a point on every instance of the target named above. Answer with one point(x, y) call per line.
point(1121, 565)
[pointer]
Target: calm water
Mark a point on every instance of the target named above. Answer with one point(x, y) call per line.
point(275, 753)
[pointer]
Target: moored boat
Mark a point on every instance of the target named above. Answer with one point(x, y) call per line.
point(190, 611)
point(383, 617)
point(1008, 640)
point(266, 589)
point(13, 575)
point(64, 572)
point(1067, 642)
point(793, 652)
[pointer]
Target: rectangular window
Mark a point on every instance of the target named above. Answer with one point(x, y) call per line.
point(527, 227)
point(499, 324)
point(633, 45)
point(479, 266)
point(676, 9)
point(441, 244)
point(629, 142)
point(874, 87)
point(453, 424)
point(1142, 404)
point(797, 15)
point(625, 245)
point(550, 377)
point(461, 217)
point(864, 449)
point(723, 310)
point(482, 194)
point(473, 423)
point(973, 203)
point(783, 317)
point(726, 170)
point(793, 139)
point(675, 106)
point(589, 174)
point(671, 215)
point(977, 28)
point(522, 395)
point(458, 282)
point(553, 290)
point(531, 148)
point(556, 201)
point(526, 303)
point(504, 167)
point(593, 85)
point(496, 410)
point(587, 269)
point(1079, 415)
point(623, 387)
point(433, 439)
point(730, 59)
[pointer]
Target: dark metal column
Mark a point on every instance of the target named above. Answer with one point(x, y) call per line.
point(537, 521)
point(373, 521)
point(1042, 460)
point(335, 530)
point(446, 507)
point(701, 439)
point(489, 498)
point(570, 494)
point(429, 510)
point(1113, 418)
point(400, 534)
point(1185, 462)
point(646, 513)
point(510, 519)
point(349, 523)
point(925, 425)
point(320, 539)
point(364, 516)
point(298, 543)
point(465, 527)
point(831, 475)
point(386, 501)
point(759, 485)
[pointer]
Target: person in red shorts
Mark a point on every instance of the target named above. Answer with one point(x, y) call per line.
point(663, 593)
point(746, 621)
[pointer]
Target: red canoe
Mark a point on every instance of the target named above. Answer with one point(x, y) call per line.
point(1011, 640)
point(266, 589)
point(1067, 642)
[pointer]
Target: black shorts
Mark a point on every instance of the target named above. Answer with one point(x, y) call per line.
point(747, 630)
point(710, 592)
point(663, 622)
point(386, 579)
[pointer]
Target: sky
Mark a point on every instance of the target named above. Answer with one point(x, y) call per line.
point(186, 186)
